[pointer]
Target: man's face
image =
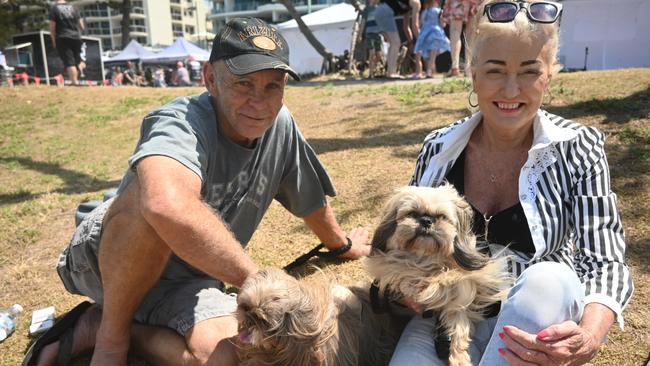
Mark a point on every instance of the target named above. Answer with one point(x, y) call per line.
point(247, 105)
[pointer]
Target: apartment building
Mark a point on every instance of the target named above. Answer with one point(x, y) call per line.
point(269, 10)
point(153, 22)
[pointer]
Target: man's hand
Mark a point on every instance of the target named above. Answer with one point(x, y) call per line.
point(360, 246)
point(561, 344)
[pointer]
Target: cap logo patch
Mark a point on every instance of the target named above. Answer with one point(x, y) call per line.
point(263, 37)
point(264, 43)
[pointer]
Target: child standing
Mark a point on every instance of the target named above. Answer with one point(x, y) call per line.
point(374, 42)
point(432, 39)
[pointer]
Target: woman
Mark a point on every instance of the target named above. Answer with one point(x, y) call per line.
point(538, 184)
point(456, 13)
point(385, 18)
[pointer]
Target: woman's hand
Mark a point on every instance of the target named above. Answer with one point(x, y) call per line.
point(561, 344)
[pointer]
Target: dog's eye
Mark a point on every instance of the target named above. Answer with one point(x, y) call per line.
point(413, 215)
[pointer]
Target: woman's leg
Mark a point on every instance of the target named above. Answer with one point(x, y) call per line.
point(546, 293)
point(455, 29)
point(415, 346)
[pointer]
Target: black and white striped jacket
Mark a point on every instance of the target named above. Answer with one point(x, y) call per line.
point(564, 188)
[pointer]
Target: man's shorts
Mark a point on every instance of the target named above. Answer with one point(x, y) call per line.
point(69, 50)
point(182, 297)
point(385, 19)
point(374, 41)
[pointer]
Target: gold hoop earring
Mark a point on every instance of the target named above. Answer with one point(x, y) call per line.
point(469, 99)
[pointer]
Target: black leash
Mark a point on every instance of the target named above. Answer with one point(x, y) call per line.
point(317, 252)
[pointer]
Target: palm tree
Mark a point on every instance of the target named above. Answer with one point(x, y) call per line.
point(124, 7)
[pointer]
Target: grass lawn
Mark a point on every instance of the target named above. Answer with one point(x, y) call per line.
point(62, 146)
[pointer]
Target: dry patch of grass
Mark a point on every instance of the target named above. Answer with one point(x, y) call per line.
point(60, 147)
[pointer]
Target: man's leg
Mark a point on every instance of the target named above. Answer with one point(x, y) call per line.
point(72, 74)
point(207, 343)
point(131, 259)
point(393, 52)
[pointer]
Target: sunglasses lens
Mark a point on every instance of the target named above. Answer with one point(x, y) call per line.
point(543, 12)
point(501, 12)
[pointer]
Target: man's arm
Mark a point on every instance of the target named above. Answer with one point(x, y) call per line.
point(53, 32)
point(323, 223)
point(82, 25)
point(170, 201)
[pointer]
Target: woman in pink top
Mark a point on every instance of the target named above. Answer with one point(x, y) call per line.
point(455, 13)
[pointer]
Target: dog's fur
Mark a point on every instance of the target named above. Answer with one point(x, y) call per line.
point(290, 322)
point(424, 250)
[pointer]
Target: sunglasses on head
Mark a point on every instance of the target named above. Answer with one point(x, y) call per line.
point(539, 11)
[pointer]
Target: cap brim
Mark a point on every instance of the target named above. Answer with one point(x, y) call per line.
point(252, 62)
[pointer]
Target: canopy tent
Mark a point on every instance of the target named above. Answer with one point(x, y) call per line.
point(178, 51)
point(605, 34)
point(332, 26)
point(132, 51)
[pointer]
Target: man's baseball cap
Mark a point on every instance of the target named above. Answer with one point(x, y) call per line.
point(250, 44)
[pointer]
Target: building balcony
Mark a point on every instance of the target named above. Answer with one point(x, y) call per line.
point(267, 8)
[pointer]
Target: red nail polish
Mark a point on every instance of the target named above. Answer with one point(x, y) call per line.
point(502, 351)
point(543, 334)
point(502, 335)
point(506, 328)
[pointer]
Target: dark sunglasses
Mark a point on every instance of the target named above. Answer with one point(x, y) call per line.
point(540, 11)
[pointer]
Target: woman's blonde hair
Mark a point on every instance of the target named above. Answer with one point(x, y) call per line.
point(520, 27)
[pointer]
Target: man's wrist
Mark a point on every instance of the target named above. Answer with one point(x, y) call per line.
point(341, 249)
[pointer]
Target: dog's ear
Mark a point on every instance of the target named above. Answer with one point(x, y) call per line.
point(384, 231)
point(465, 253)
point(468, 258)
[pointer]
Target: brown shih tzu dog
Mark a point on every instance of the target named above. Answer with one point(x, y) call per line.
point(424, 251)
point(290, 322)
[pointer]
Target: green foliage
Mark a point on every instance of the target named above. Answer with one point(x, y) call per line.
point(17, 16)
point(635, 135)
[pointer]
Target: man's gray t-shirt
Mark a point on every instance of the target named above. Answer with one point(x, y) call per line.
point(239, 183)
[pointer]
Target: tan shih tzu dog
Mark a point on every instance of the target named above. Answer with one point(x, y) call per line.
point(424, 251)
point(290, 322)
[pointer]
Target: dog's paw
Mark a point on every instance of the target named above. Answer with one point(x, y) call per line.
point(460, 359)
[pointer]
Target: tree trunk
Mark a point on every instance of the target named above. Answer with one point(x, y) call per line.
point(329, 56)
point(125, 8)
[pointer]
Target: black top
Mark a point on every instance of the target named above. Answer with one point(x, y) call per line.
point(399, 6)
point(67, 21)
point(506, 227)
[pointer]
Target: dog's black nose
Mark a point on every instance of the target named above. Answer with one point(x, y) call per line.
point(425, 221)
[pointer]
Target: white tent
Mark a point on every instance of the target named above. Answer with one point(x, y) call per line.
point(332, 26)
point(178, 51)
point(132, 52)
point(612, 34)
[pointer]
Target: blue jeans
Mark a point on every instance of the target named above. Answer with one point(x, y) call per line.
point(546, 293)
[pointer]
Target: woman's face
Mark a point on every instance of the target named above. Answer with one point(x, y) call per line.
point(510, 78)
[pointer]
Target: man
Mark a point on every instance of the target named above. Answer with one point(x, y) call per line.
point(181, 75)
point(130, 75)
point(65, 30)
point(205, 170)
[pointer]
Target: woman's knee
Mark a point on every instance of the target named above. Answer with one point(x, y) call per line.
point(548, 292)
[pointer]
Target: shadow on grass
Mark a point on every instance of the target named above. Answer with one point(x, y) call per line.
point(616, 109)
point(74, 182)
point(374, 138)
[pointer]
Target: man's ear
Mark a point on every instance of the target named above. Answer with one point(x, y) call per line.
point(209, 77)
